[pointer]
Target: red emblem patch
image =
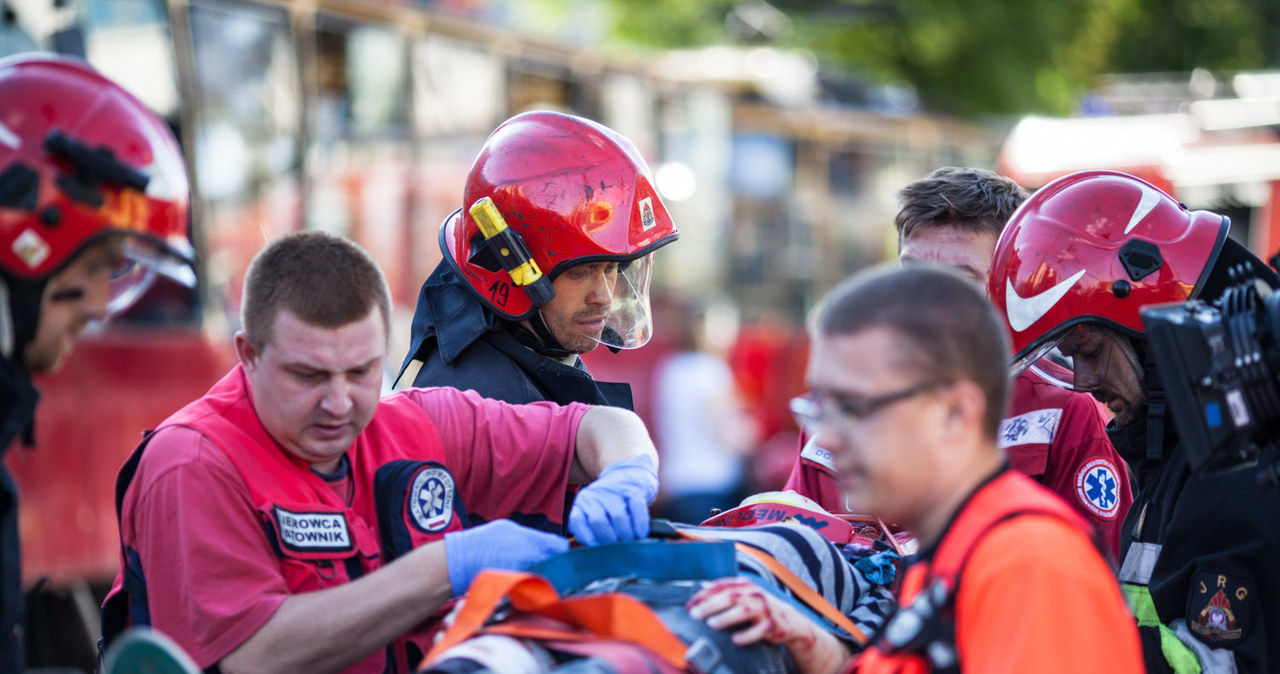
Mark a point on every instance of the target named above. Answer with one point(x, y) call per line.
point(1219, 607)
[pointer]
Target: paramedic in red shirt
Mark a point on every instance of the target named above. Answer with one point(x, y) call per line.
point(953, 217)
point(291, 520)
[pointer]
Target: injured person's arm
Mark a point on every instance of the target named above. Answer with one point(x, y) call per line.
point(758, 615)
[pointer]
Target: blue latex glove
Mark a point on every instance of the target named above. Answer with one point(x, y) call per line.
point(878, 569)
point(616, 506)
point(500, 544)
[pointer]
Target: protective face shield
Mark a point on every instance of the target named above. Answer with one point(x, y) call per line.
point(1080, 358)
point(1093, 248)
point(81, 159)
point(630, 321)
point(141, 262)
point(549, 191)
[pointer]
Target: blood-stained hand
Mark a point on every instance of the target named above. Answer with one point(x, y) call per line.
point(763, 616)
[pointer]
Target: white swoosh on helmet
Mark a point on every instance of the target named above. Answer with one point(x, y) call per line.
point(1025, 311)
point(1150, 199)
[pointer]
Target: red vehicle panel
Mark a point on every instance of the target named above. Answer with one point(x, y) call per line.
point(91, 416)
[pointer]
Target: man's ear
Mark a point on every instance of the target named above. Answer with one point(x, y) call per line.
point(246, 353)
point(967, 406)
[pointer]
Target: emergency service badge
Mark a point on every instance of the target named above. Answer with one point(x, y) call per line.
point(647, 219)
point(31, 248)
point(431, 499)
point(1098, 488)
point(1219, 606)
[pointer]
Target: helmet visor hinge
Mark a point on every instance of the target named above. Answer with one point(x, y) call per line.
point(1140, 258)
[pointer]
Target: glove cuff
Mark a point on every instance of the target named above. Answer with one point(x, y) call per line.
point(639, 462)
point(455, 562)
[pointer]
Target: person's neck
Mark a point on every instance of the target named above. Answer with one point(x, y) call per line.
point(951, 496)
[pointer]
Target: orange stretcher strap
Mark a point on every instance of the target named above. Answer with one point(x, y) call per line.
point(798, 587)
point(613, 615)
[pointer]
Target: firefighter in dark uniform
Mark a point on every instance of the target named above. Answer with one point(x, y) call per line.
point(549, 257)
point(93, 204)
point(1071, 271)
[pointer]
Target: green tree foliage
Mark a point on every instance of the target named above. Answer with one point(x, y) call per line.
point(985, 57)
point(1179, 35)
point(670, 23)
point(981, 56)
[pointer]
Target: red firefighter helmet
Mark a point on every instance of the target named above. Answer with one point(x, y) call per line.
point(1095, 247)
point(81, 158)
point(571, 191)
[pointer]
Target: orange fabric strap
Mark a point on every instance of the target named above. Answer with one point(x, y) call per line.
point(613, 615)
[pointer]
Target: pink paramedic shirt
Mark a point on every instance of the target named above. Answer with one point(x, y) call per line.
point(211, 575)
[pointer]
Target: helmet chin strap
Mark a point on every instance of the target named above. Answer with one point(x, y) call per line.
point(537, 336)
point(550, 345)
point(20, 304)
point(6, 322)
point(1157, 405)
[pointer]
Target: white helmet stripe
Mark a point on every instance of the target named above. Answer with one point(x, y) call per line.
point(1149, 200)
point(8, 137)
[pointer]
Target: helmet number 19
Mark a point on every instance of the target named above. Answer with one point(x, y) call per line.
point(498, 293)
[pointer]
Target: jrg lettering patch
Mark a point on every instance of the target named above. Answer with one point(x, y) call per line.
point(1219, 607)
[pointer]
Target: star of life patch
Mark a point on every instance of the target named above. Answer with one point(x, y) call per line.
point(431, 499)
point(313, 532)
point(1032, 428)
point(1219, 607)
point(822, 457)
point(1098, 488)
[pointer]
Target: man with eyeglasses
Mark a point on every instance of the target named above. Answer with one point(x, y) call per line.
point(953, 217)
point(908, 391)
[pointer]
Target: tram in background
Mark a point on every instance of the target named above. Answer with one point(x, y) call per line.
point(362, 119)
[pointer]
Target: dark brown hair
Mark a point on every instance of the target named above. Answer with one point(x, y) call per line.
point(324, 280)
point(972, 199)
point(949, 331)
